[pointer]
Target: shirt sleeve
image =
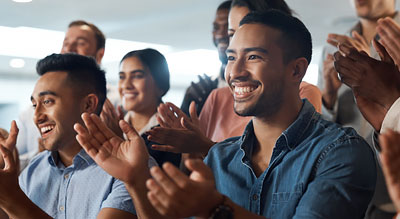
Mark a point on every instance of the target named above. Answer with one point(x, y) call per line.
point(392, 118)
point(119, 198)
point(345, 182)
point(206, 113)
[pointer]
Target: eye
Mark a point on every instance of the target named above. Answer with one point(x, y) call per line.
point(121, 77)
point(137, 76)
point(47, 101)
point(231, 58)
point(252, 57)
point(34, 105)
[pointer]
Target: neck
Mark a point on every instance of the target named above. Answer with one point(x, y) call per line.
point(68, 153)
point(140, 119)
point(368, 25)
point(268, 129)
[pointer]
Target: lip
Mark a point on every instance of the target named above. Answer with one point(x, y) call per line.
point(243, 90)
point(42, 127)
point(361, 2)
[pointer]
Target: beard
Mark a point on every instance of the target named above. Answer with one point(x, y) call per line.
point(266, 105)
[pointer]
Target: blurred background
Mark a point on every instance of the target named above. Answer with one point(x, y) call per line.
point(180, 29)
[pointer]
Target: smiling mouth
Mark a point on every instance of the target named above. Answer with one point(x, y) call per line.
point(130, 95)
point(243, 91)
point(45, 130)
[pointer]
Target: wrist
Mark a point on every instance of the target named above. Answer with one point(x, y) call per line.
point(222, 210)
point(329, 99)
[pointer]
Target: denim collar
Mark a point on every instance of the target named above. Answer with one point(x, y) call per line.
point(290, 137)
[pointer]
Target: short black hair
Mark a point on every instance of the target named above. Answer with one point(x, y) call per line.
point(263, 5)
point(100, 38)
point(296, 40)
point(83, 72)
point(226, 5)
point(157, 65)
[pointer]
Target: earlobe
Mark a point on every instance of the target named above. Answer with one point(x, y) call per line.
point(99, 55)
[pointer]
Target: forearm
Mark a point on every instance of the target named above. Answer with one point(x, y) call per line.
point(20, 206)
point(138, 191)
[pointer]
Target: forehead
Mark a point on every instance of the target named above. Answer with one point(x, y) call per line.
point(52, 81)
point(222, 15)
point(81, 31)
point(255, 35)
point(236, 14)
point(132, 63)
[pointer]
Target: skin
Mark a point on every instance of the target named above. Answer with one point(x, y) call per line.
point(235, 16)
point(390, 145)
point(138, 91)
point(389, 32)
point(248, 62)
point(374, 83)
point(58, 104)
point(369, 11)
point(82, 40)
point(220, 33)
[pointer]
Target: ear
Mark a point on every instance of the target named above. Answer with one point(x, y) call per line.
point(99, 55)
point(298, 68)
point(90, 103)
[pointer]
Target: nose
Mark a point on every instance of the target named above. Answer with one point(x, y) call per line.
point(236, 70)
point(38, 115)
point(126, 83)
point(69, 48)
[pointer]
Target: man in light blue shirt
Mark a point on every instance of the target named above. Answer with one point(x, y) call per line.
point(63, 181)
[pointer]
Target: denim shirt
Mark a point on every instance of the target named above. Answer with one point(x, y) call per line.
point(317, 170)
point(80, 190)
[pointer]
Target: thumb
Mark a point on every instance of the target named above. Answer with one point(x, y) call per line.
point(188, 124)
point(193, 112)
point(200, 171)
point(383, 54)
point(129, 131)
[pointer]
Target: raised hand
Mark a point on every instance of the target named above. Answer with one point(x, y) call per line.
point(111, 118)
point(375, 84)
point(123, 159)
point(331, 82)
point(174, 194)
point(198, 92)
point(356, 41)
point(185, 137)
point(390, 154)
point(389, 32)
point(169, 115)
point(9, 173)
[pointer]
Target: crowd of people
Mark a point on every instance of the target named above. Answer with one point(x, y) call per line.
point(256, 142)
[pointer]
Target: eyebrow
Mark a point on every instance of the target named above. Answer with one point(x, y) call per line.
point(256, 49)
point(134, 71)
point(43, 93)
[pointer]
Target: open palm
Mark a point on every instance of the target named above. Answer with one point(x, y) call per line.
point(120, 158)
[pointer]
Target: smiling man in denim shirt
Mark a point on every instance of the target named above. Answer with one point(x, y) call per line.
point(289, 163)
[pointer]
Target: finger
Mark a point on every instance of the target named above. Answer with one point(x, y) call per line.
point(176, 110)
point(335, 39)
point(161, 121)
point(103, 132)
point(12, 136)
point(360, 40)
point(164, 136)
point(82, 138)
point(92, 128)
point(152, 196)
point(389, 37)
point(383, 54)
point(199, 168)
point(179, 179)
point(129, 131)
point(166, 115)
point(9, 164)
point(167, 148)
point(193, 111)
point(120, 113)
point(167, 184)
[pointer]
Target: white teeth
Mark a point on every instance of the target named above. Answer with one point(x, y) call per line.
point(46, 128)
point(243, 90)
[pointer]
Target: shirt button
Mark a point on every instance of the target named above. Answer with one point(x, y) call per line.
point(61, 208)
point(255, 197)
point(66, 176)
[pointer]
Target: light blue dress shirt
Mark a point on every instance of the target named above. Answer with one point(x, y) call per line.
point(78, 191)
point(317, 170)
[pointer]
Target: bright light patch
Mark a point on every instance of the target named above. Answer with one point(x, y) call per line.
point(311, 74)
point(22, 1)
point(17, 63)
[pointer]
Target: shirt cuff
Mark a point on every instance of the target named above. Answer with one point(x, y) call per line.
point(392, 118)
